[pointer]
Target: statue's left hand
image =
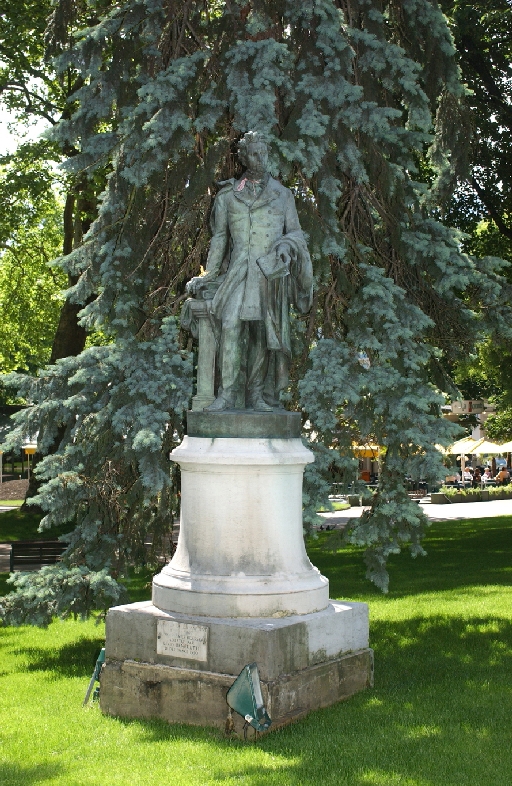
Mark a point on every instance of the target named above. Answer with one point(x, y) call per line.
point(283, 251)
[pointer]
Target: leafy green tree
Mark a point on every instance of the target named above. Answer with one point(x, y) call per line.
point(32, 34)
point(27, 86)
point(486, 374)
point(30, 238)
point(481, 206)
point(499, 427)
point(350, 94)
point(482, 38)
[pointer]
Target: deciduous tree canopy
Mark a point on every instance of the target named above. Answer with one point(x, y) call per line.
point(30, 238)
point(482, 205)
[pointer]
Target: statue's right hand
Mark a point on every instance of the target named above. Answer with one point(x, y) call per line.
point(195, 285)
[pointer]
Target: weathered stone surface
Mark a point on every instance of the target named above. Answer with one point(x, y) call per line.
point(239, 589)
point(256, 230)
point(177, 695)
point(278, 646)
point(241, 546)
point(305, 662)
point(244, 423)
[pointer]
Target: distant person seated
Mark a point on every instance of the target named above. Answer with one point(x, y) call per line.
point(452, 480)
point(477, 478)
point(502, 477)
point(487, 476)
point(468, 475)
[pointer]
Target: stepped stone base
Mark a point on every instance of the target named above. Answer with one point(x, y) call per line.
point(179, 668)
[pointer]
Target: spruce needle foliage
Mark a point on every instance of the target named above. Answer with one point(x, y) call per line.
point(354, 96)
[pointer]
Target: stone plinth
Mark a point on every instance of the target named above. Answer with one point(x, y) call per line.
point(179, 667)
point(241, 546)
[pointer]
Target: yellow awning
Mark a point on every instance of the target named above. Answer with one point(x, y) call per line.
point(366, 451)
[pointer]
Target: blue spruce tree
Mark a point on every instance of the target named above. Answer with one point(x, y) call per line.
point(363, 108)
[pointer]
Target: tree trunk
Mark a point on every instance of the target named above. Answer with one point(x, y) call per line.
point(69, 337)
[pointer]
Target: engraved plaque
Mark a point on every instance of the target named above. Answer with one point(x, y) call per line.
point(182, 640)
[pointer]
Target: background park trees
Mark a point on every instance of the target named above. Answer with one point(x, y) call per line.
point(32, 33)
point(482, 205)
point(30, 238)
point(363, 106)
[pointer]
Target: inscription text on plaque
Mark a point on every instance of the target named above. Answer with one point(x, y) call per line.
point(182, 640)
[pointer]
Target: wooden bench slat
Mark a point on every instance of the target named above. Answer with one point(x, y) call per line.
point(30, 552)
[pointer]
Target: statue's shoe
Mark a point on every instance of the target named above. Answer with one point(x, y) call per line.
point(261, 406)
point(219, 405)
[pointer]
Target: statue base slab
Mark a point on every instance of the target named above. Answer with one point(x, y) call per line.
point(199, 403)
point(179, 667)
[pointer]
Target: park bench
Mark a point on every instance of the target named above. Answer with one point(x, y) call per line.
point(35, 552)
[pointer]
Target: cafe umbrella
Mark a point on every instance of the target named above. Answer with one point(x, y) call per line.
point(489, 448)
point(466, 447)
point(485, 447)
point(506, 447)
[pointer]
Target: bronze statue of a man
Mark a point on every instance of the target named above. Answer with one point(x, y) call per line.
point(258, 265)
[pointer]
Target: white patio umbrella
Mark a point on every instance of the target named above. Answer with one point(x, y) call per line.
point(485, 446)
point(465, 446)
point(506, 447)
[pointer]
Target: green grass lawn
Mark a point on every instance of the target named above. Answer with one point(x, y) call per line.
point(336, 506)
point(439, 715)
point(22, 525)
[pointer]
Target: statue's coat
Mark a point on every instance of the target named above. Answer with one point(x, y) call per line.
point(244, 230)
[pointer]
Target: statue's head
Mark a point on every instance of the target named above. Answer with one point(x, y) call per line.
point(253, 152)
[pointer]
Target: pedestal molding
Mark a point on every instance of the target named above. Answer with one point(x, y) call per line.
point(232, 451)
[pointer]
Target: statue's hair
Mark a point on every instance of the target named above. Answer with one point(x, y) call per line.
point(250, 138)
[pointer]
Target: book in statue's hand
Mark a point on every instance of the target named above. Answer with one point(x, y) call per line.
point(273, 266)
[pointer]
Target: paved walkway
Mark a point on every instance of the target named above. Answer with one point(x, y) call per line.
point(456, 510)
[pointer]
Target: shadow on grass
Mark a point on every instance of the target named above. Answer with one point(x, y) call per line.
point(138, 583)
point(23, 525)
point(17, 774)
point(71, 660)
point(438, 648)
point(459, 554)
point(156, 730)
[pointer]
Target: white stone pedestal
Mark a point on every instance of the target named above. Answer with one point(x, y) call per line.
point(240, 589)
point(241, 546)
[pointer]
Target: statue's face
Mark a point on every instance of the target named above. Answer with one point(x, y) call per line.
point(257, 158)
